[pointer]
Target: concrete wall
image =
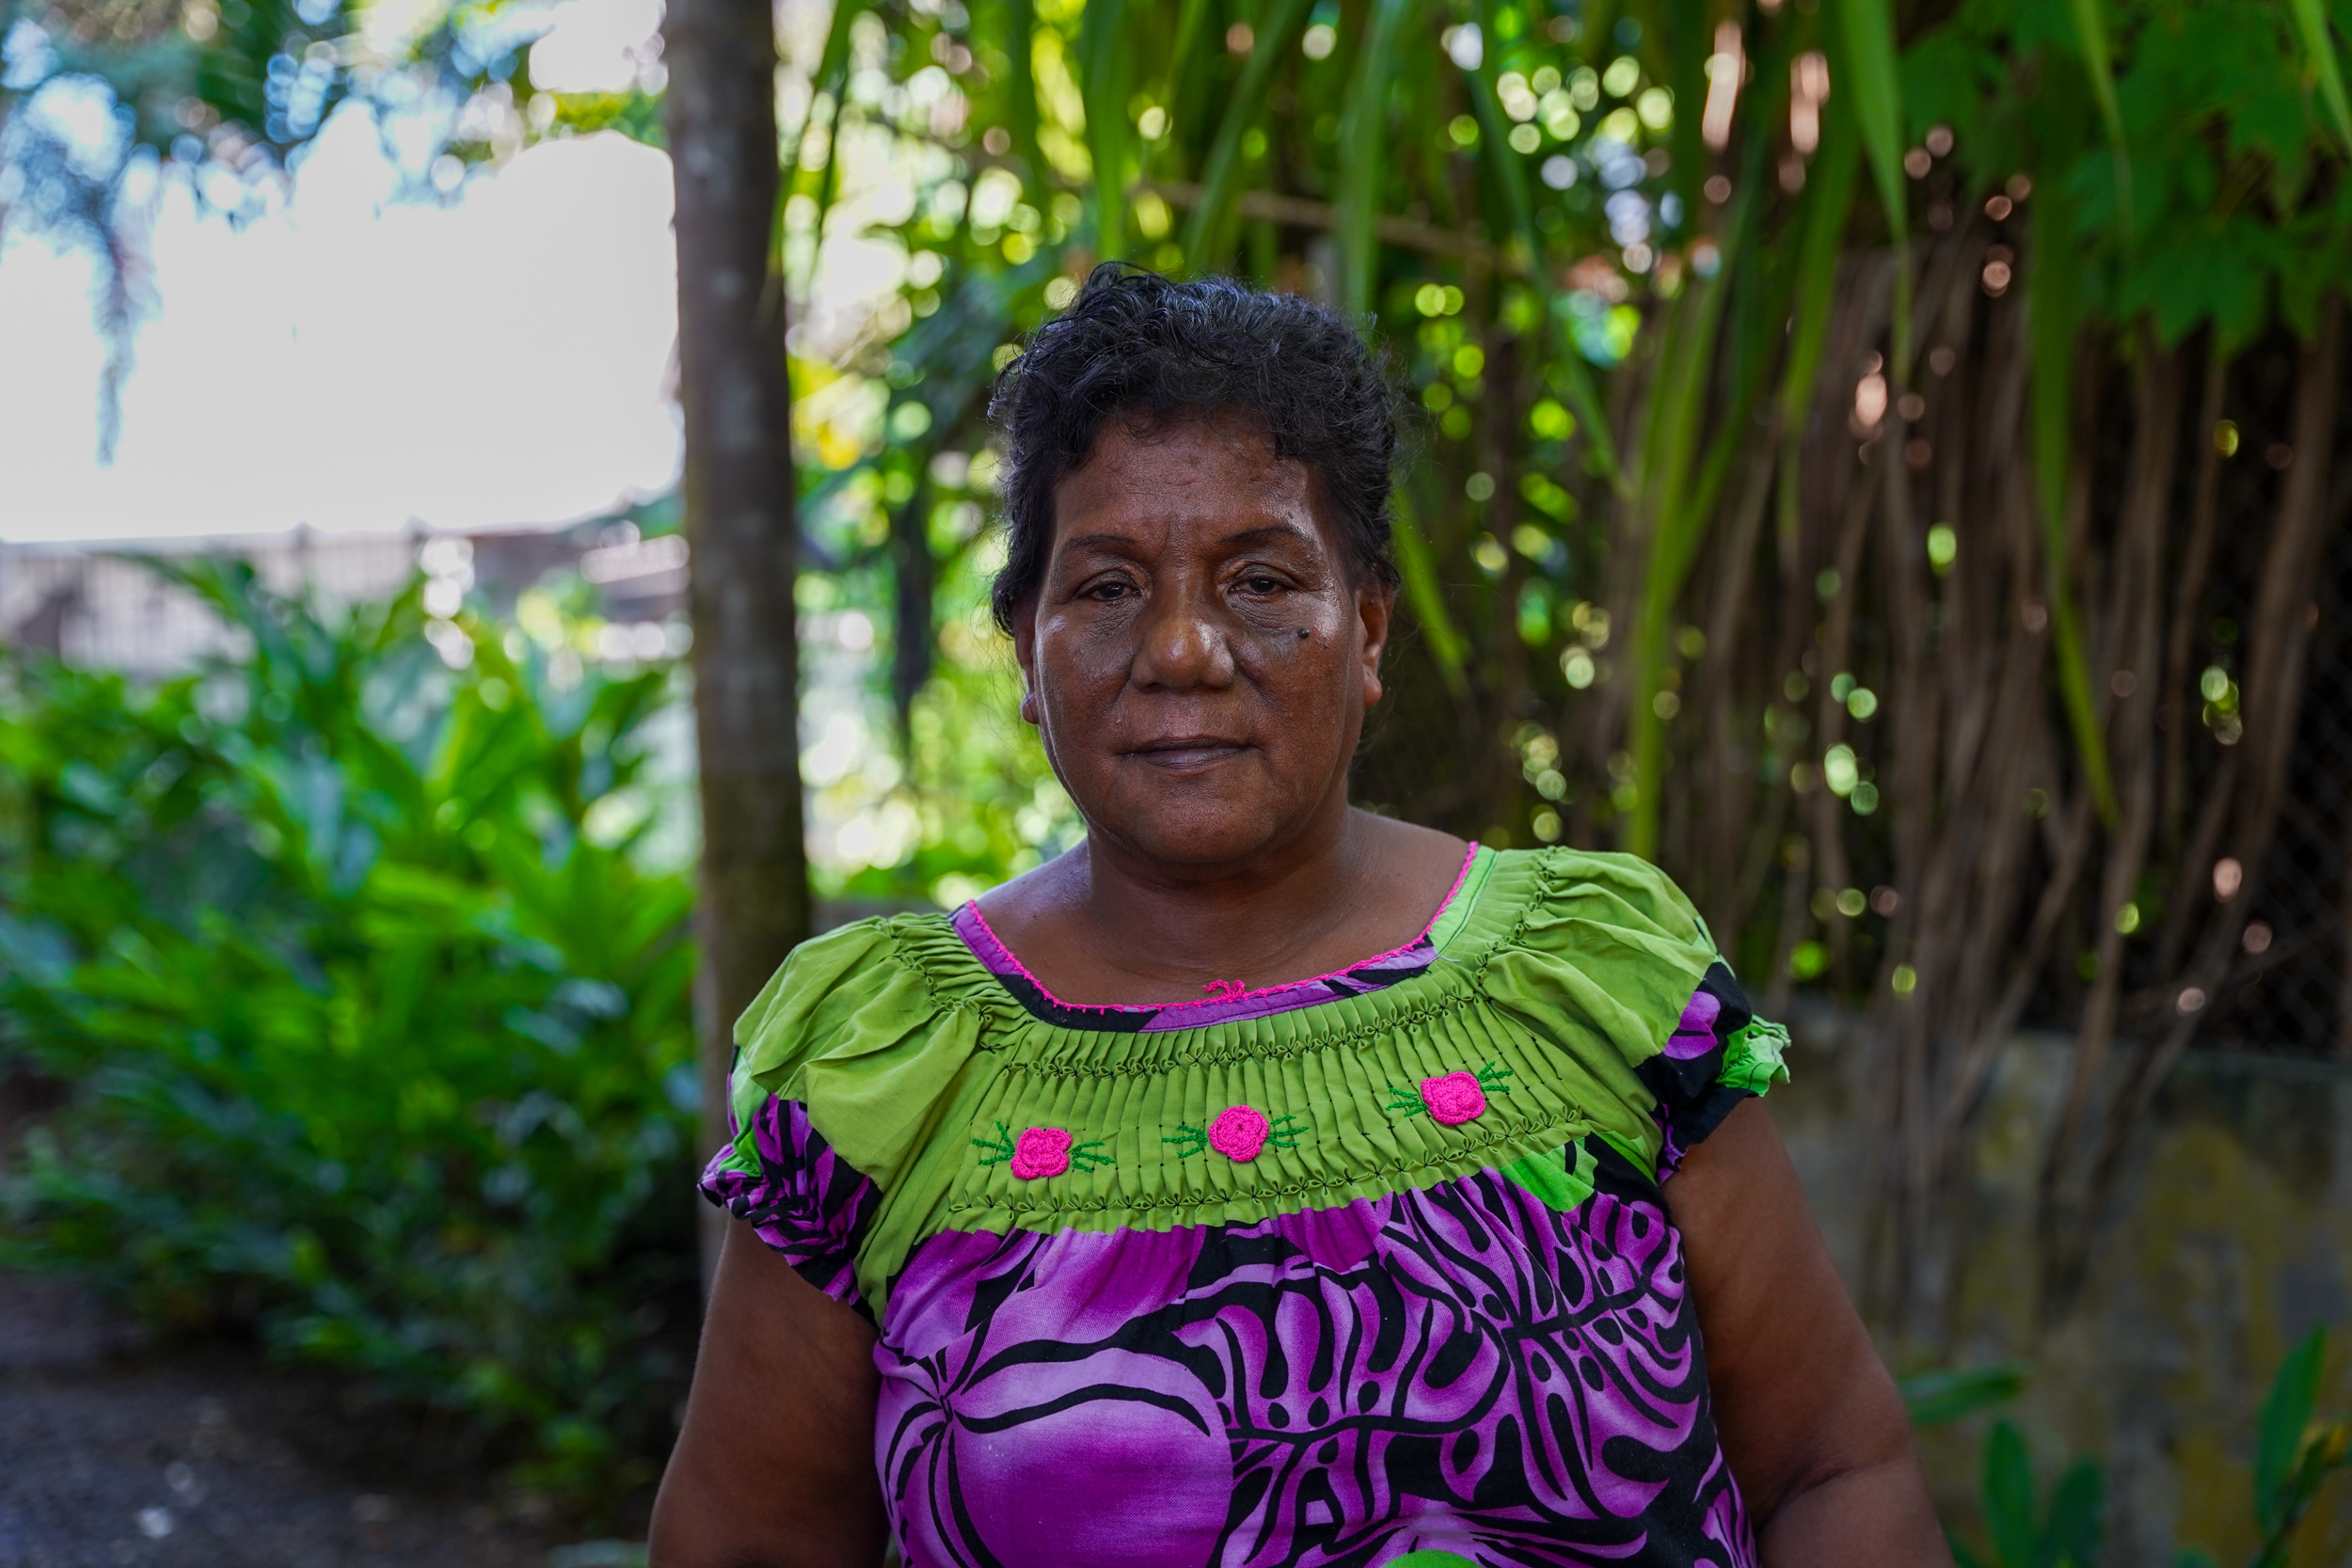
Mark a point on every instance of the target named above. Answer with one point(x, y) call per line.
point(2234, 1240)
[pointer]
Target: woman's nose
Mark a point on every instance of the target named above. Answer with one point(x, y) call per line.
point(1185, 644)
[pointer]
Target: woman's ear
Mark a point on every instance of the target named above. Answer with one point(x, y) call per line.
point(1024, 653)
point(1375, 606)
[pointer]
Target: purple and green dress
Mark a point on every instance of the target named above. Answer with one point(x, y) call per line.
point(1367, 1269)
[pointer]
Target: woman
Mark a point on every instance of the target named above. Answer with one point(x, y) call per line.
point(1263, 1181)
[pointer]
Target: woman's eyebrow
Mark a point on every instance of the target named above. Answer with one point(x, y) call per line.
point(1269, 530)
point(1095, 541)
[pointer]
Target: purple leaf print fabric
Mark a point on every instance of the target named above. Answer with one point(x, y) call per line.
point(1686, 1074)
point(805, 1200)
point(1459, 1368)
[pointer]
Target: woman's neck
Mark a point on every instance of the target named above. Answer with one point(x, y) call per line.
point(1098, 926)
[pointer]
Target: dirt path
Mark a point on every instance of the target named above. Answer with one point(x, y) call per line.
point(112, 1455)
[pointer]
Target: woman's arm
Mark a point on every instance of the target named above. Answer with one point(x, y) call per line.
point(774, 1467)
point(1810, 1421)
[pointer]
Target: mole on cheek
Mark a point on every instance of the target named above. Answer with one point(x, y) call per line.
point(1305, 632)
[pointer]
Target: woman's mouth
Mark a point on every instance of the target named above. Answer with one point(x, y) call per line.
point(1188, 753)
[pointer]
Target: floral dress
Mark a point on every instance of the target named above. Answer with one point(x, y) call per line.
point(1367, 1269)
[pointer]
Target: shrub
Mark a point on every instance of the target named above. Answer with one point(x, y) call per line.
point(377, 1035)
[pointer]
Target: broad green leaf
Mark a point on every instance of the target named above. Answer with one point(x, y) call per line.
point(2077, 1521)
point(2286, 1411)
point(1828, 206)
point(2091, 32)
point(2310, 21)
point(1105, 52)
point(2009, 1511)
point(1868, 66)
point(1936, 1398)
point(1020, 84)
point(1689, 38)
point(1363, 152)
point(1191, 25)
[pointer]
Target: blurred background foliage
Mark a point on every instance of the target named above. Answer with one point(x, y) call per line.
point(1875, 458)
point(378, 1029)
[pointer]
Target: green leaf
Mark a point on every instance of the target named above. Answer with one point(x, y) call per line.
point(2287, 1410)
point(1419, 569)
point(832, 72)
point(1207, 231)
point(1189, 24)
point(1103, 56)
point(2310, 21)
point(1828, 206)
point(1363, 154)
point(1020, 84)
point(2091, 32)
point(1866, 32)
point(1935, 1399)
point(2053, 283)
point(2009, 1496)
point(1676, 503)
point(2077, 1518)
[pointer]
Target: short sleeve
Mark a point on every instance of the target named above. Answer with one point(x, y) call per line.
point(1719, 1054)
point(842, 1066)
point(1610, 956)
point(784, 1180)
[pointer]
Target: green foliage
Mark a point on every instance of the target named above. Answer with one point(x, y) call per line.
point(1508, 193)
point(378, 1037)
point(1940, 1397)
point(2292, 1454)
point(2024, 1533)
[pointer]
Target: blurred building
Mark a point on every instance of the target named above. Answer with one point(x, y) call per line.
point(105, 605)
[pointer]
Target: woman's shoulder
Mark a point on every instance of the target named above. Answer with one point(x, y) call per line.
point(1585, 940)
point(1605, 947)
point(1596, 900)
point(861, 992)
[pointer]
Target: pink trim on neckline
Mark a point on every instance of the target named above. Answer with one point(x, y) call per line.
point(1469, 858)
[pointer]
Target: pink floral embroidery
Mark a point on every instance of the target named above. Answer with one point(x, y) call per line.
point(1041, 1151)
point(1238, 1133)
point(1453, 1099)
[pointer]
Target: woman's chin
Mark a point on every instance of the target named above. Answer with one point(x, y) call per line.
point(1197, 827)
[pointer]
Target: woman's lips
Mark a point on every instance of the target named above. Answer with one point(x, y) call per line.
point(1187, 753)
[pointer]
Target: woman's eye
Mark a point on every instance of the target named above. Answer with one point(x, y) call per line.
point(1108, 590)
point(1261, 584)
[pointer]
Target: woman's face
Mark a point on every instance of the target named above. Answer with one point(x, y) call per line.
point(1198, 653)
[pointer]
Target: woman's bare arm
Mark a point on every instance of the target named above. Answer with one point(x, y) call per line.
point(1810, 1421)
point(774, 1467)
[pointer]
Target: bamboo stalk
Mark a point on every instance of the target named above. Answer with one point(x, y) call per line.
point(2274, 695)
point(2132, 620)
point(2188, 600)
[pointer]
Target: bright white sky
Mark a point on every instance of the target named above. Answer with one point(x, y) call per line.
point(354, 363)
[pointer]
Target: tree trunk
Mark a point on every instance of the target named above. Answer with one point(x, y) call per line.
point(754, 904)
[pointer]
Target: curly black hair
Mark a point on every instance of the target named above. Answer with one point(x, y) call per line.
point(1137, 344)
